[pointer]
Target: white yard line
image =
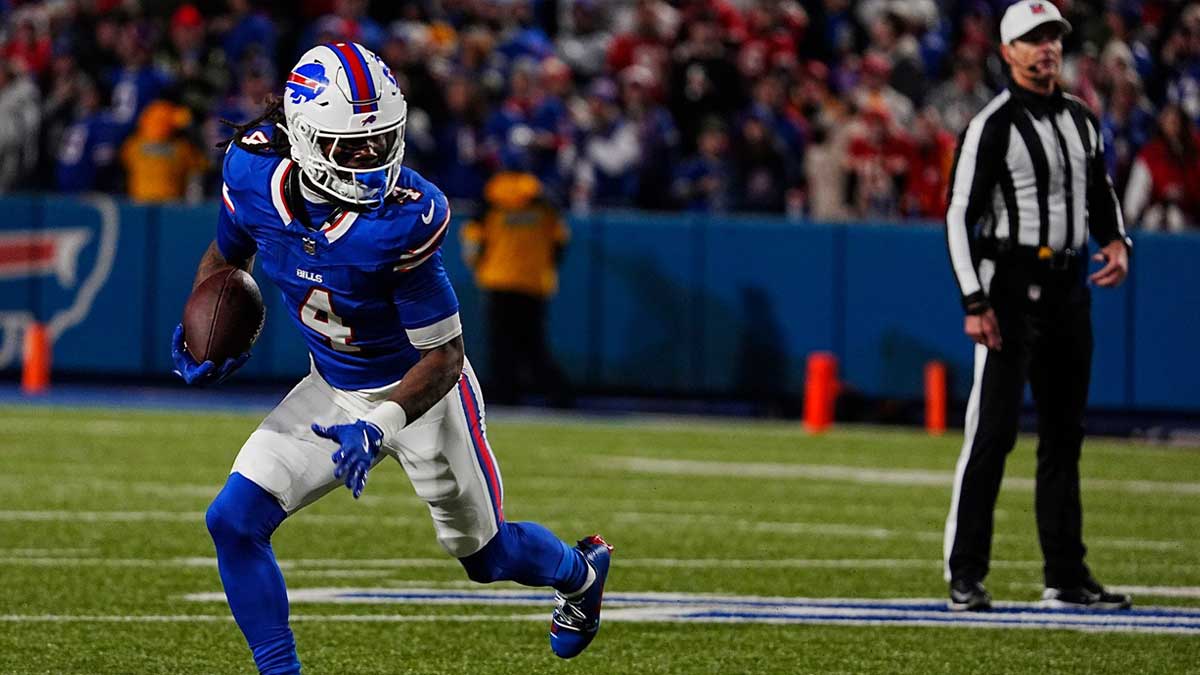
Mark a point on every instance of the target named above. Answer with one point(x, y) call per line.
point(858, 474)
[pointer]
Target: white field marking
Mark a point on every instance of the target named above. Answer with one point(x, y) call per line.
point(639, 563)
point(189, 517)
point(863, 475)
point(46, 553)
point(856, 531)
point(449, 563)
point(1160, 591)
point(708, 608)
point(1136, 591)
point(307, 618)
point(96, 427)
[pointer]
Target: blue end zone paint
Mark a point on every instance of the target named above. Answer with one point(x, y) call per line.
point(672, 607)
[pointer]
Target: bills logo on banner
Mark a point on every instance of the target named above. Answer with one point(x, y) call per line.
point(58, 271)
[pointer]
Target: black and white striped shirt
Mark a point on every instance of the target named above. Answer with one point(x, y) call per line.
point(1030, 170)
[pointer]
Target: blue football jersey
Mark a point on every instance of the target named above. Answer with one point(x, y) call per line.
point(366, 290)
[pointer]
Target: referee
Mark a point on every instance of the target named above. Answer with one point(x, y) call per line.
point(1028, 186)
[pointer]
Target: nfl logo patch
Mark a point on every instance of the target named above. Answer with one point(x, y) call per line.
point(1037, 9)
point(310, 246)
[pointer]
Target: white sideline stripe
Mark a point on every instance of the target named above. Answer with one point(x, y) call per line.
point(863, 475)
point(226, 618)
point(185, 517)
point(859, 531)
point(1160, 591)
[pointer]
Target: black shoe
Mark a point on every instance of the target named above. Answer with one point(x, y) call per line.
point(1091, 595)
point(968, 596)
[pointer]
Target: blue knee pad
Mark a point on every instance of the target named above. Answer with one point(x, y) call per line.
point(243, 513)
point(528, 554)
point(241, 520)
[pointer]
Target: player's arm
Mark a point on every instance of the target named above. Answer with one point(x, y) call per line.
point(427, 382)
point(213, 261)
point(360, 442)
point(233, 247)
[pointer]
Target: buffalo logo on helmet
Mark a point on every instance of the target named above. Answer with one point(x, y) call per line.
point(307, 82)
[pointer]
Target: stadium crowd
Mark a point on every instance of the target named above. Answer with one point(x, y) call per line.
point(826, 109)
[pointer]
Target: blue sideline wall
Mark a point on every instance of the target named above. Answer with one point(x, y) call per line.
point(727, 306)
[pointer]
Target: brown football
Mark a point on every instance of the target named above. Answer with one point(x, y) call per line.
point(223, 316)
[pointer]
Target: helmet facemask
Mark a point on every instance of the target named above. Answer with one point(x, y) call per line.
point(358, 168)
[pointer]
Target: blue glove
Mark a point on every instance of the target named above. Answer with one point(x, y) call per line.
point(359, 443)
point(201, 374)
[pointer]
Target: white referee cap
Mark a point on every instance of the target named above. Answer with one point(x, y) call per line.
point(1024, 16)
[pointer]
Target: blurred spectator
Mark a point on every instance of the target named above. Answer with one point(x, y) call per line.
point(703, 182)
point(1164, 185)
point(645, 43)
point(657, 136)
point(962, 96)
point(704, 81)
point(879, 159)
point(20, 119)
point(892, 39)
point(609, 151)
point(160, 164)
point(826, 177)
point(926, 186)
point(515, 247)
point(87, 147)
point(28, 49)
point(244, 29)
point(874, 93)
point(586, 42)
point(553, 130)
point(760, 174)
point(199, 69)
point(459, 165)
point(136, 83)
point(525, 39)
point(348, 22)
point(1127, 124)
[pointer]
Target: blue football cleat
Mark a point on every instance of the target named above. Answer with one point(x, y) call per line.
point(576, 621)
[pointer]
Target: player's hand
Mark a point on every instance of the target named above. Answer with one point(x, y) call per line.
point(201, 374)
point(984, 329)
point(358, 446)
point(1116, 265)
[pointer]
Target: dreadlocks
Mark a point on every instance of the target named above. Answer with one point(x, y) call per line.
point(273, 115)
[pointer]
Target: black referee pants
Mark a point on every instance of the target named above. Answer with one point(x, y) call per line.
point(1045, 323)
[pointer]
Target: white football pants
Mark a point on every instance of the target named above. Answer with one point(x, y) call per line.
point(444, 452)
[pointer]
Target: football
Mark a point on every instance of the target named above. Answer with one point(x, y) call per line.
point(223, 316)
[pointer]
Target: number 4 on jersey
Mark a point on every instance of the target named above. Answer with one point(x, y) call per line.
point(317, 313)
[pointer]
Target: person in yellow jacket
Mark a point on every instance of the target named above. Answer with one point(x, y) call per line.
point(515, 246)
point(160, 164)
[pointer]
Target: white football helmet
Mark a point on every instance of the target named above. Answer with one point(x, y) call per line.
point(345, 121)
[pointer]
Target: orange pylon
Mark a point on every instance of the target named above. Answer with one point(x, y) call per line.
point(35, 373)
point(820, 391)
point(935, 398)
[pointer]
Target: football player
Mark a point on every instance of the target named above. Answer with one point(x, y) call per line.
point(316, 191)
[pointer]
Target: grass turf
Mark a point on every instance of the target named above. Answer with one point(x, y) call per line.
point(102, 533)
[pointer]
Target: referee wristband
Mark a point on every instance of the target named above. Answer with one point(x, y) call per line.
point(390, 417)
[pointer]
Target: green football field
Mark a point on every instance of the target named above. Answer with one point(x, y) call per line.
point(727, 535)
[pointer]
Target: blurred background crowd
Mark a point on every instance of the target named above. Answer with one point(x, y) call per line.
point(821, 109)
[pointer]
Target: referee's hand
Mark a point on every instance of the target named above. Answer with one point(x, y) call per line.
point(983, 329)
point(1116, 265)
